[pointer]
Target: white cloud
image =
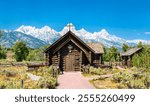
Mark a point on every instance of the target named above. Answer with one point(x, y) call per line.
point(147, 33)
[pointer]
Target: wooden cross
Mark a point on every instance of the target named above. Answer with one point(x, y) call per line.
point(69, 26)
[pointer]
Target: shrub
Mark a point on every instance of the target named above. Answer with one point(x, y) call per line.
point(133, 79)
point(3, 85)
point(36, 55)
point(42, 71)
point(47, 82)
point(31, 85)
point(8, 73)
point(136, 84)
point(114, 70)
point(97, 71)
point(12, 79)
point(10, 84)
point(147, 81)
point(13, 84)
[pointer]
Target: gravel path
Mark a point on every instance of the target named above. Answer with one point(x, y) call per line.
point(73, 80)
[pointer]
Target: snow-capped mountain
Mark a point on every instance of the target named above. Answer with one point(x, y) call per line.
point(46, 33)
point(102, 36)
point(138, 40)
point(68, 27)
point(9, 38)
point(36, 37)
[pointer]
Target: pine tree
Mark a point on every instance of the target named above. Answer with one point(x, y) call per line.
point(142, 59)
point(125, 47)
point(140, 44)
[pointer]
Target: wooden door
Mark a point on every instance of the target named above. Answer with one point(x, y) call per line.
point(70, 62)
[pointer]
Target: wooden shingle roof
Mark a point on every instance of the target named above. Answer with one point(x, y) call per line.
point(130, 51)
point(97, 47)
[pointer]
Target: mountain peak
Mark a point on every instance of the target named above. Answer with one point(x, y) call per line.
point(68, 27)
point(105, 32)
point(25, 29)
point(46, 28)
point(45, 33)
point(83, 30)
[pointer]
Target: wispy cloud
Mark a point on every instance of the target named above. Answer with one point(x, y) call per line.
point(147, 33)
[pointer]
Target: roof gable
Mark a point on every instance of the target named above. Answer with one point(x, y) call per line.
point(94, 47)
point(67, 36)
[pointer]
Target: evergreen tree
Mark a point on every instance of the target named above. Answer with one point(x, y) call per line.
point(142, 59)
point(2, 53)
point(125, 47)
point(1, 33)
point(111, 54)
point(140, 44)
point(113, 51)
point(21, 51)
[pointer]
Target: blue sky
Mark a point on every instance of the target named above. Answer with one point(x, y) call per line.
point(129, 19)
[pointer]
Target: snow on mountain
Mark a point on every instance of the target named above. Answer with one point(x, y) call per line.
point(49, 35)
point(9, 38)
point(46, 33)
point(68, 27)
point(138, 40)
point(102, 36)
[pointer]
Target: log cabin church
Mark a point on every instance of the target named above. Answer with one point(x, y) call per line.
point(69, 53)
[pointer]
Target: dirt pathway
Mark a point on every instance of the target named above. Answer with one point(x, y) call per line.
point(73, 80)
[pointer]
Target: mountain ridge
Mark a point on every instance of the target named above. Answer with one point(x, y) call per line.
point(9, 38)
point(47, 35)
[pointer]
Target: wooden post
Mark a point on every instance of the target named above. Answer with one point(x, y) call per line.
point(22, 83)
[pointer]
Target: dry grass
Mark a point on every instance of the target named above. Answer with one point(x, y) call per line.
point(10, 56)
point(14, 68)
point(104, 84)
point(14, 82)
